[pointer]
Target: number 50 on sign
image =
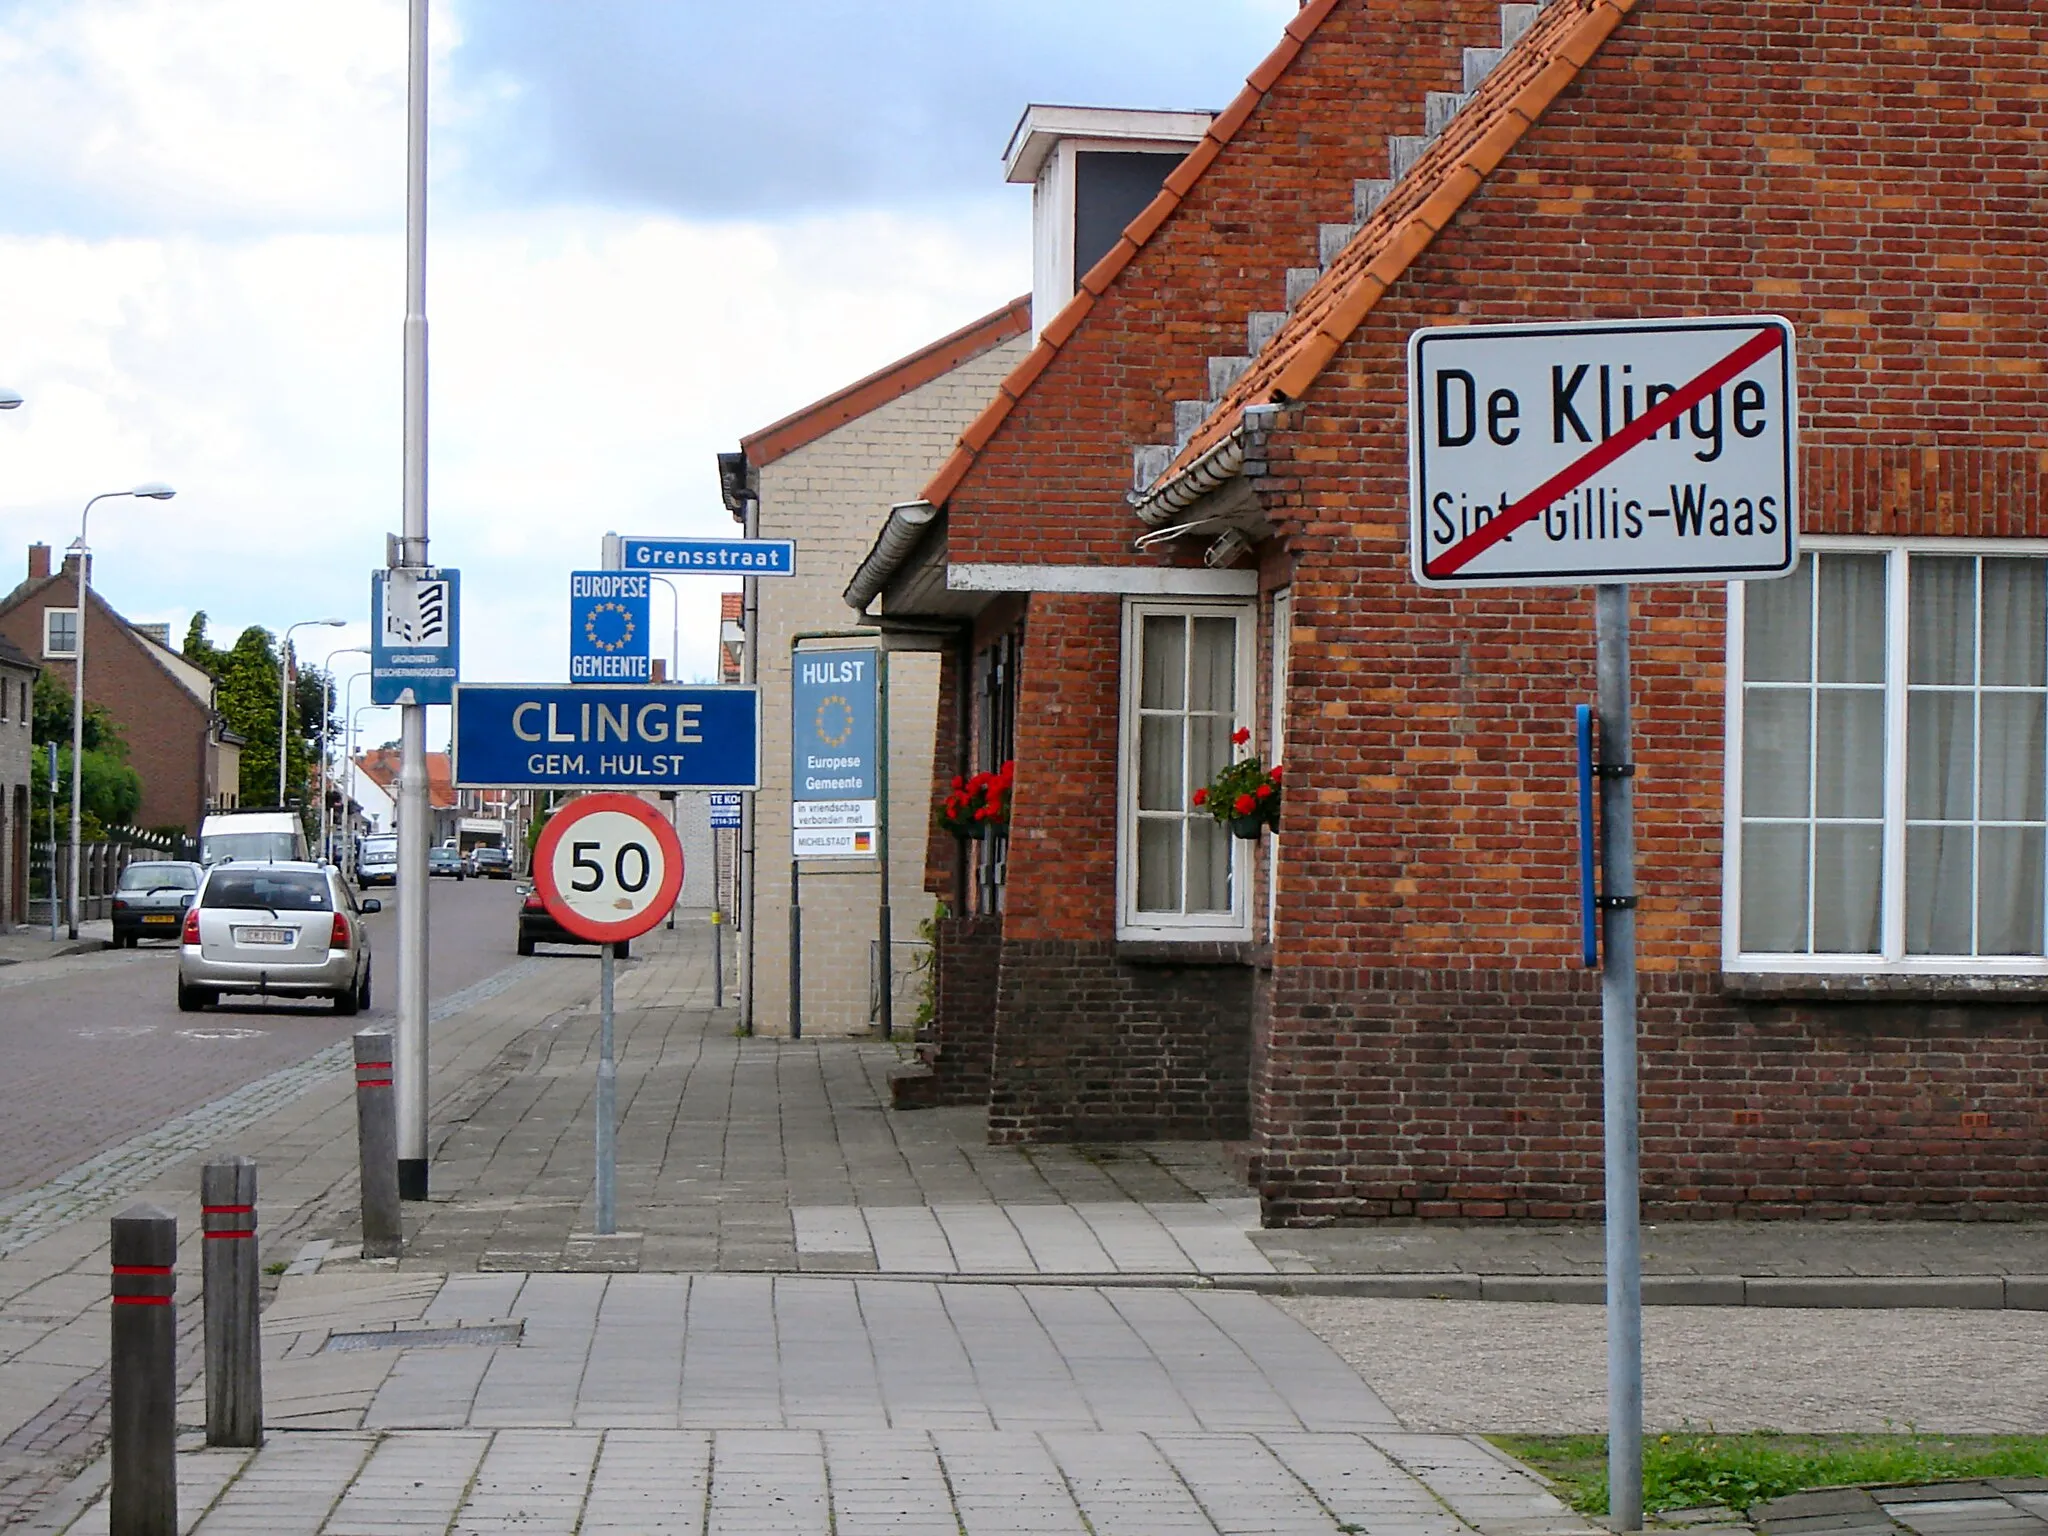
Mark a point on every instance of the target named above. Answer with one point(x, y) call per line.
point(608, 866)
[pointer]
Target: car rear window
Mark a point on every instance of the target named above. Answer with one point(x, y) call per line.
point(149, 877)
point(278, 890)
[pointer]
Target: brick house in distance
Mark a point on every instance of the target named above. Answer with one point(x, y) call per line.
point(190, 762)
point(1192, 498)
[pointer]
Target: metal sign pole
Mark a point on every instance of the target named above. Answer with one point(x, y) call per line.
point(888, 1014)
point(607, 1101)
point(1618, 1056)
point(414, 807)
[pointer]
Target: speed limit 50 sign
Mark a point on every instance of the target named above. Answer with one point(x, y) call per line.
point(608, 866)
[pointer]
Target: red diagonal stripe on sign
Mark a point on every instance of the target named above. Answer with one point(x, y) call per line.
point(1589, 464)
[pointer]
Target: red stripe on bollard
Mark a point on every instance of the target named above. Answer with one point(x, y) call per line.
point(227, 1210)
point(244, 1232)
point(142, 1301)
point(143, 1269)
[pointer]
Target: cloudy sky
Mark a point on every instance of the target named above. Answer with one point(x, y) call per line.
point(656, 226)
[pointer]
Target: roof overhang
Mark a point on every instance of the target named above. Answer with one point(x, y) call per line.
point(1041, 128)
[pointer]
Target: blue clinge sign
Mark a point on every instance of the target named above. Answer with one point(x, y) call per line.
point(551, 736)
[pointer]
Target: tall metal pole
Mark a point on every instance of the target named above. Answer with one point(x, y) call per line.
point(888, 966)
point(1618, 1038)
point(410, 1069)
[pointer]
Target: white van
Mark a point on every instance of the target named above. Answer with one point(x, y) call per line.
point(377, 860)
point(258, 836)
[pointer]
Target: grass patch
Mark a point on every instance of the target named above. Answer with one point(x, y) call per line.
point(1688, 1468)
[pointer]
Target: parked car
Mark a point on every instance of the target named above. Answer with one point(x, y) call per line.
point(262, 835)
point(446, 861)
point(491, 864)
point(537, 925)
point(377, 860)
point(279, 930)
point(151, 898)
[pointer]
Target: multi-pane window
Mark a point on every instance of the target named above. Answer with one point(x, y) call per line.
point(1891, 790)
point(60, 631)
point(1187, 688)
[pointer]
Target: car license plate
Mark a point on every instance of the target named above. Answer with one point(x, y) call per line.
point(158, 917)
point(263, 935)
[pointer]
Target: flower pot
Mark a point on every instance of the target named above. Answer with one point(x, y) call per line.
point(1247, 827)
point(974, 832)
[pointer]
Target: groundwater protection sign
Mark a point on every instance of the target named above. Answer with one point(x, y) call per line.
point(1601, 452)
point(415, 630)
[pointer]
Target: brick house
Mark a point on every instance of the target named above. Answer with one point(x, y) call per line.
point(815, 477)
point(1186, 513)
point(17, 779)
point(189, 761)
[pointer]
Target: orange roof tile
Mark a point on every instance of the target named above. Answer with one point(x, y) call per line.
point(731, 605)
point(1136, 235)
point(1546, 59)
point(890, 383)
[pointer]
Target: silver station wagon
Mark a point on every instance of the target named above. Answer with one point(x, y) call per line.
point(279, 930)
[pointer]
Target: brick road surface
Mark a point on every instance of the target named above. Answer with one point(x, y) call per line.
point(97, 1051)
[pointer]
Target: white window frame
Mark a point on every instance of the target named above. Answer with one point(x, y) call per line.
point(1193, 927)
point(48, 649)
point(1276, 737)
point(1893, 961)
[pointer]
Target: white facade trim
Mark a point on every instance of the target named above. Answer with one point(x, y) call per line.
point(1113, 580)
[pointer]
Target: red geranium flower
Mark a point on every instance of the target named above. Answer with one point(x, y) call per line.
point(958, 782)
point(1245, 805)
point(1202, 796)
point(1240, 736)
point(1265, 791)
point(1275, 774)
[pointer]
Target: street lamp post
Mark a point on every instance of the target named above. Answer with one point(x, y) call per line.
point(152, 491)
point(284, 689)
point(9, 398)
point(326, 714)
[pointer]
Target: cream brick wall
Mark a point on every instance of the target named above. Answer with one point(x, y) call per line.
point(831, 496)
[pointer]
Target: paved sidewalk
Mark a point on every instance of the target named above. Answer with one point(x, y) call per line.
point(24, 945)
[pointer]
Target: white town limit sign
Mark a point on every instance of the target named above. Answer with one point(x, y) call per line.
point(1601, 452)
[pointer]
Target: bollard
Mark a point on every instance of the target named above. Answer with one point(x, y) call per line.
point(143, 1500)
point(377, 1145)
point(234, 1354)
point(717, 958)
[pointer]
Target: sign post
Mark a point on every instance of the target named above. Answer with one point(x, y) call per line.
point(608, 866)
point(1604, 453)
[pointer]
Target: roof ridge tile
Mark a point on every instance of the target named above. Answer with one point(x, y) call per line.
point(1543, 61)
point(1179, 182)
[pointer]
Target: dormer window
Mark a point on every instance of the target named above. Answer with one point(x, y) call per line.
point(1092, 170)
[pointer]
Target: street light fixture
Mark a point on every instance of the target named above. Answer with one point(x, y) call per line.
point(9, 398)
point(284, 689)
point(326, 787)
point(149, 490)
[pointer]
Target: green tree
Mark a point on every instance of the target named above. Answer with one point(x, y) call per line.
point(110, 793)
point(245, 693)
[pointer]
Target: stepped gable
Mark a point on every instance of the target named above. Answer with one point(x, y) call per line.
point(1433, 179)
point(1135, 237)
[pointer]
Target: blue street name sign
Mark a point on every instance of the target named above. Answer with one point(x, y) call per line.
point(550, 736)
point(415, 635)
point(832, 726)
point(725, 811)
point(608, 627)
point(702, 557)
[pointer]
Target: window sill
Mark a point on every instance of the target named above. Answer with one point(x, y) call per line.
point(1194, 952)
point(1850, 987)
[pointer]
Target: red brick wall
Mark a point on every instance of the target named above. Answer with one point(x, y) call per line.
point(967, 952)
point(164, 726)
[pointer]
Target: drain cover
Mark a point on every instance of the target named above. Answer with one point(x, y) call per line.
point(425, 1338)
